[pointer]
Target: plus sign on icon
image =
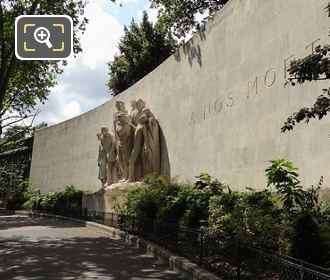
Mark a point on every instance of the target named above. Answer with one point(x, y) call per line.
point(43, 37)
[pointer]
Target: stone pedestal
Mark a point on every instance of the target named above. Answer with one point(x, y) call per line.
point(108, 199)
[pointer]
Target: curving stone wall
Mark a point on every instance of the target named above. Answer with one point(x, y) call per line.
point(220, 101)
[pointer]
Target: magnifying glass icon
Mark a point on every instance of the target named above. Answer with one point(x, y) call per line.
point(41, 35)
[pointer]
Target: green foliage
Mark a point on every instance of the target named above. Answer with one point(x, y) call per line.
point(282, 174)
point(15, 159)
point(18, 132)
point(24, 83)
point(71, 197)
point(285, 222)
point(310, 201)
point(32, 198)
point(156, 198)
point(180, 15)
point(164, 200)
point(251, 217)
point(13, 173)
point(311, 68)
point(14, 190)
point(197, 198)
point(142, 48)
point(306, 242)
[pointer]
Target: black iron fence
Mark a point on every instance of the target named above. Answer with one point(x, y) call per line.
point(226, 258)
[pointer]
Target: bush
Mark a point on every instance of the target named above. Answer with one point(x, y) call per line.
point(288, 222)
point(250, 217)
point(71, 197)
point(156, 198)
point(17, 198)
point(306, 242)
point(197, 199)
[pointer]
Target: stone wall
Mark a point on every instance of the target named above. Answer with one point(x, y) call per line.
point(220, 101)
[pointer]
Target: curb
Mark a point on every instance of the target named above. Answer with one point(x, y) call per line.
point(181, 265)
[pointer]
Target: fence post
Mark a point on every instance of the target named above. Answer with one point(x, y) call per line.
point(112, 218)
point(133, 225)
point(201, 248)
point(302, 274)
point(177, 229)
point(85, 213)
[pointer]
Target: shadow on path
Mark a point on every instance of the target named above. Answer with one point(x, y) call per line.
point(14, 221)
point(95, 257)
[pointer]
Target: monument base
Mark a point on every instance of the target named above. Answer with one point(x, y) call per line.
point(108, 199)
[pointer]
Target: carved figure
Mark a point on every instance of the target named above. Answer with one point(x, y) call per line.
point(135, 113)
point(124, 132)
point(120, 106)
point(135, 162)
point(102, 161)
point(151, 158)
point(140, 105)
point(107, 157)
point(145, 157)
point(137, 143)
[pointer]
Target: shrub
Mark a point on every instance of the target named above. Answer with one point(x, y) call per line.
point(250, 217)
point(306, 242)
point(165, 200)
point(282, 174)
point(288, 222)
point(17, 198)
point(156, 198)
point(71, 197)
point(197, 199)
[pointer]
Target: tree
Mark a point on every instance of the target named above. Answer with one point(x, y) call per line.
point(142, 48)
point(24, 83)
point(180, 15)
point(314, 67)
point(17, 132)
point(15, 160)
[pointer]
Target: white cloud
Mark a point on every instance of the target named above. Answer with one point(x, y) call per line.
point(71, 110)
point(82, 86)
point(101, 37)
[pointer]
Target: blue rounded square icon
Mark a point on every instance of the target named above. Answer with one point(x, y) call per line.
point(43, 37)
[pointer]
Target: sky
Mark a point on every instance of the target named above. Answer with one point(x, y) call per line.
point(82, 85)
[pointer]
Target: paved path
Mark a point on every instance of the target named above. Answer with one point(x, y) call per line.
point(43, 249)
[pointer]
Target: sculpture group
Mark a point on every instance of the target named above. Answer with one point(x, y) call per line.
point(133, 152)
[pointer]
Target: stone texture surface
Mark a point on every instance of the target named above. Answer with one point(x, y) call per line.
point(107, 199)
point(47, 249)
point(220, 101)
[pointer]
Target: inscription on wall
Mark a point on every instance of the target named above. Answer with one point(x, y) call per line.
point(269, 78)
point(76, 157)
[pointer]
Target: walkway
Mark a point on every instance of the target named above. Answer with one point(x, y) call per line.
point(43, 249)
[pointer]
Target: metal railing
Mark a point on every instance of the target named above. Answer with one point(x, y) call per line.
point(227, 258)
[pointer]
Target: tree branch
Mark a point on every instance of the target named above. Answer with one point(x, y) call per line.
point(5, 82)
point(19, 118)
point(26, 128)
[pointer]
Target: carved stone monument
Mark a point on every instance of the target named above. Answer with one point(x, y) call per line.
point(134, 151)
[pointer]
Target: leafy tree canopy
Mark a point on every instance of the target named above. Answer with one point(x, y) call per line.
point(142, 48)
point(314, 67)
point(18, 132)
point(24, 83)
point(180, 15)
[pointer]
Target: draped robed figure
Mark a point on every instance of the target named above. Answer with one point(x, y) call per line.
point(151, 147)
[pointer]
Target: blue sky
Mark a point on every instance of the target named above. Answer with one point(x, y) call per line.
point(82, 86)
